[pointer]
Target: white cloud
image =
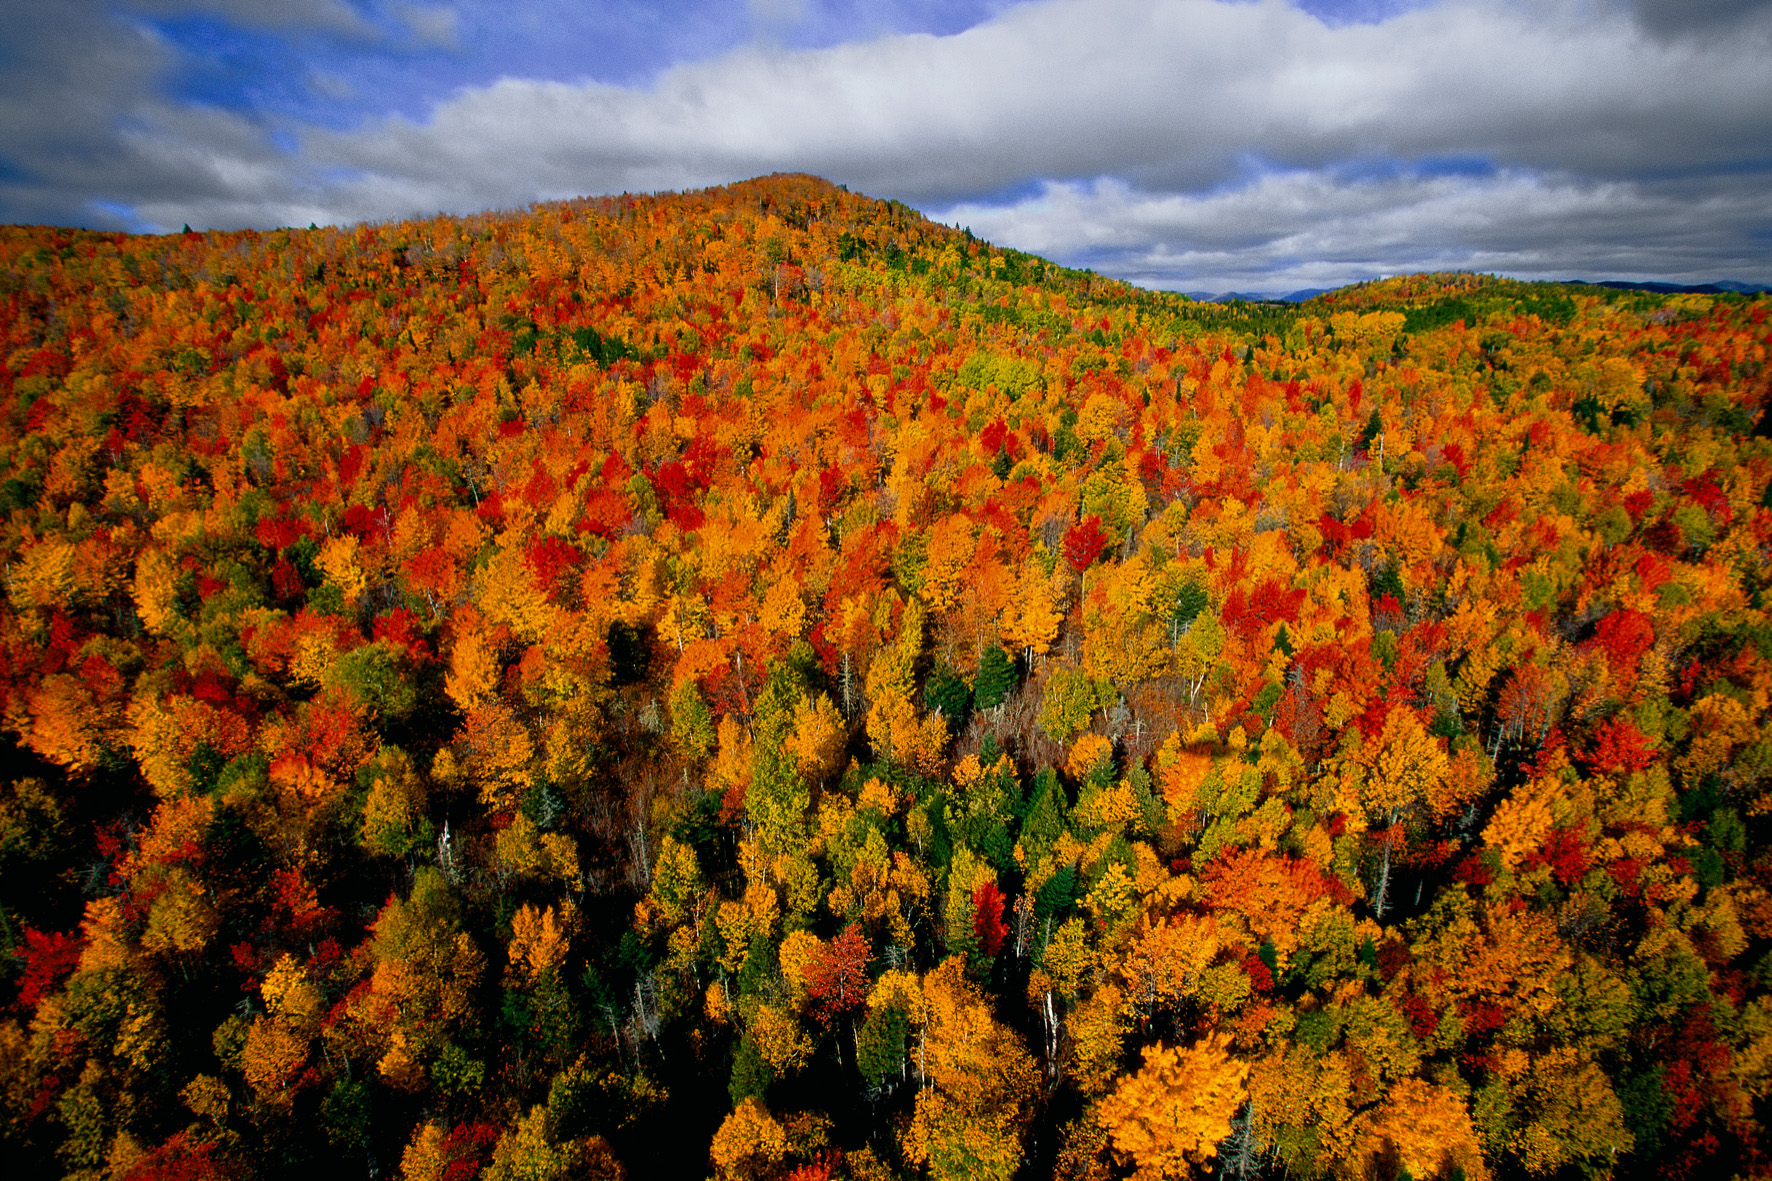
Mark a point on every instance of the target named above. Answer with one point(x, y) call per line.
point(1177, 95)
point(1235, 136)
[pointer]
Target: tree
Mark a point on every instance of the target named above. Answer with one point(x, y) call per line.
point(995, 679)
point(1083, 543)
point(837, 980)
point(1401, 773)
point(971, 1117)
point(1169, 1118)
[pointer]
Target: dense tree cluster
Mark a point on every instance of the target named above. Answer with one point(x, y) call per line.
point(755, 682)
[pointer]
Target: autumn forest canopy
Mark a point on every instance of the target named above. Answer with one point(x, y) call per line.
point(756, 684)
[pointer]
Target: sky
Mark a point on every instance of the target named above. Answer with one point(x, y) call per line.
point(1198, 145)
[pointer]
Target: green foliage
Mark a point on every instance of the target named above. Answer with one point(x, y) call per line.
point(995, 679)
point(880, 1044)
point(1071, 699)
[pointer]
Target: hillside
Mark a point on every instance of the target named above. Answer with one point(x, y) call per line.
point(754, 683)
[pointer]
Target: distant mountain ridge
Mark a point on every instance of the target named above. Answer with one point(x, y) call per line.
point(1719, 287)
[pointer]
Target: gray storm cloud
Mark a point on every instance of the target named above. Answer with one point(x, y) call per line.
point(1163, 139)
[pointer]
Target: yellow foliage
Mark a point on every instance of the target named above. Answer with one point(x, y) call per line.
point(878, 795)
point(274, 1052)
point(818, 738)
point(289, 993)
point(1576, 1116)
point(66, 722)
point(1182, 779)
point(784, 612)
point(105, 929)
point(1169, 1117)
point(528, 1152)
point(1031, 621)
point(736, 927)
point(539, 943)
point(1089, 751)
point(337, 559)
point(43, 578)
point(949, 550)
point(780, 1040)
point(1098, 1031)
point(1519, 827)
point(395, 804)
point(501, 752)
point(207, 1097)
point(749, 1143)
point(1166, 960)
point(1405, 766)
point(181, 920)
point(1720, 723)
point(676, 880)
point(970, 1119)
point(1069, 960)
point(1430, 1129)
point(425, 1157)
point(473, 672)
point(507, 592)
point(732, 759)
point(799, 950)
point(1294, 1088)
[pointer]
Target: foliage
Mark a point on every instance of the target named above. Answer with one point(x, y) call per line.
point(755, 680)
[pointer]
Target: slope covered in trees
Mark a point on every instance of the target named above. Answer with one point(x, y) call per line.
point(756, 683)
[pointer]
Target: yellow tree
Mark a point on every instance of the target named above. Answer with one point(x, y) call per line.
point(1031, 620)
point(1400, 772)
point(1169, 1117)
point(971, 1116)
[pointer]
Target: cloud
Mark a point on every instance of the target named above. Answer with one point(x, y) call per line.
point(1283, 232)
point(430, 26)
point(328, 15)
point(1183, 131)
point(1175, 95)
point(1673, 18)
point(778, 12)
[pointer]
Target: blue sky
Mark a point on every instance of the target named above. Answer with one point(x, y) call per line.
point(1191, 144)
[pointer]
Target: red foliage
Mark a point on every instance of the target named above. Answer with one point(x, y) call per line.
point(181, 1158)
point(822, 1169)
point(1474, 871)
point(987, 918)
point(399, 628)
point(550, 559)
point(1421, 1016)
point(1619, 748)
point(605, 514)
point(837, 980)
point(1625, 635)
point(1083, 543)
point(1567, 855)
point(1481, 1016)
point(50, 958)
point(467, 1146)
point(280, 531)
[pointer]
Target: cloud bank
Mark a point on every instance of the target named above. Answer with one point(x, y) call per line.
point(1181, 143)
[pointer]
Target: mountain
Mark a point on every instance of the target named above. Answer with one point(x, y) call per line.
point(753, 682)
point(1257, 296)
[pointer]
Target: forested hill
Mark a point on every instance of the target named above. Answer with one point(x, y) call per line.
point(753, 683)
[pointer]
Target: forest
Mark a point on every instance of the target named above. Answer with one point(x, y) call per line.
point(753, 683)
